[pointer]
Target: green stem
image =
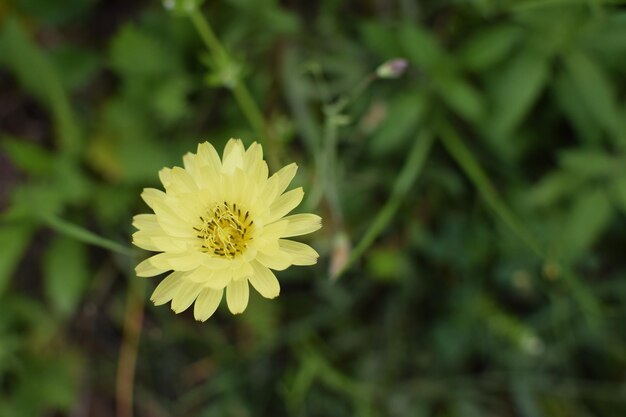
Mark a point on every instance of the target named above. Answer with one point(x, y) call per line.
point(241, 93)
point(207, 35)
point(84, 235)
point(250, 109)
point(405, 180)
point(462, 155)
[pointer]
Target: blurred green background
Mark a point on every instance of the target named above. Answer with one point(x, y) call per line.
point(476, 206)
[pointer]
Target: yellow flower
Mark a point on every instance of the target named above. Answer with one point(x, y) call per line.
point(221, 224)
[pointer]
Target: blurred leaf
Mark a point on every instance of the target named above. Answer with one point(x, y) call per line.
point(381, 39)
point(134, 51)
point(514, 90)
point(421, 47)
point(66, 274)
point(14, 239)
point(552, 188)
point(79, 65)
point(388, 264)
point(488, 46)
point(462, 98)
point(595, 88)
point(182, 7)
point(403, 116)
point(170, 99)
point(49, 12)
point(27, 156)
point(589, 216)
point(618, 190)
point(573, 106)
point(589, 163)
point(39, 77)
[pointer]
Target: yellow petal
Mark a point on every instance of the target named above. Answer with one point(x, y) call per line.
point(233, 156)
point(146, 222)
point(208, 157)
point(189, 162)
point(237, 294)
point(264, 281)
point(219, 280)
point(280, 181)
point(277, 261)
point(285, 203)
point(152, 196)
point(165, 175)
point(181, 182)
point(253, 155)
point(185, 296)
point(147, 268)
point(184, 261)
point(300, 253)
point(167, 289)
point(301, 224)
point(200, 275)
point(206, 304)
point(210, 278)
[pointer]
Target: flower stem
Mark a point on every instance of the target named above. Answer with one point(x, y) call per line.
point(403, 183)
point(84, 235)
point(241, 93)
point(462, 155)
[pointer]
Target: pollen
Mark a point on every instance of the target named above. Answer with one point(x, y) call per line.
point(225, 230)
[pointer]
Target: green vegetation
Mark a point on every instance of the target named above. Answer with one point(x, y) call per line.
point(472, 255)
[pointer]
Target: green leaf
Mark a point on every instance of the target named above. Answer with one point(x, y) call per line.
point(589, 163)
point(618, 192)
point(37, 74)
point(403, 116)
point(381, 39)
point(589, 216)
point(421, 47)
point(66, 274)
point(552, 188)
point(27, 156)
point(391, 265)
point(79, 65)
point(462, 98)
point(596, 89)
point(572, 104)
point(514, 90)
point(488, 46)
point(136, 52)
point(14, 239)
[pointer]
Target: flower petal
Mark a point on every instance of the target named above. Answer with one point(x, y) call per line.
point(280, 181)
point(233, 156)
point(189, 162)
point(285, 203)
point(167, 289)
point(147, 268)
point(237, 294)
point(206, 304)
point(151, 196)
point(300, 253)
point(181, 181)
point(301, 224)
point(278, 261)
point(185, 296)
point(183, 261)
point(264, 281)
point(210, 278)
point(208, 157)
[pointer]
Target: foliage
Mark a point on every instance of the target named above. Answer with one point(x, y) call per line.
point(474, 207)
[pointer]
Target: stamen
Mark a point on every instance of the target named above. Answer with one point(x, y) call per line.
point(224, 232)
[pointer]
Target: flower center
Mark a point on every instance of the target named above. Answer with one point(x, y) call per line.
point(225, 230)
